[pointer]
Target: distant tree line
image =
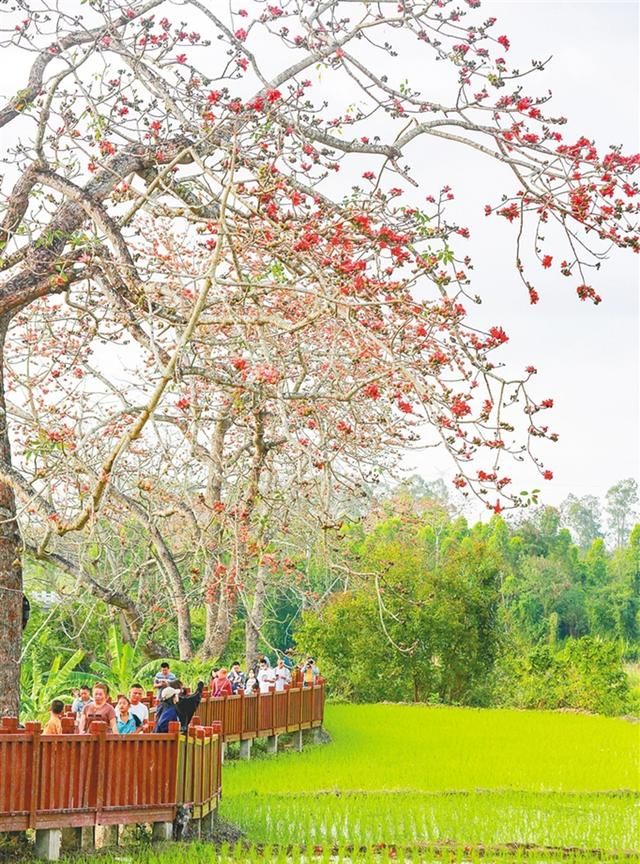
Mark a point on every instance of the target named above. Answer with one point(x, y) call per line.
point(541, 613)
point(400, 599)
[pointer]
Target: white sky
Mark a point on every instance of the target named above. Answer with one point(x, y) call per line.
point(587, 357)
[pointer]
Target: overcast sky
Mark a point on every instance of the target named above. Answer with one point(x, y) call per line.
point(588, 357)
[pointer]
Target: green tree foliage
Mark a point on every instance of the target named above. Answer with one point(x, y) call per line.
point(584, 674)
point(583, 518)
point(422, 625)
point(124, 663)
point(409, 602)
point(622, 507)
point(40, 685)
point(490, 613)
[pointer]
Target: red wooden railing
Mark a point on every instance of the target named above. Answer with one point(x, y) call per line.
point(70, 780)
point(263, 714)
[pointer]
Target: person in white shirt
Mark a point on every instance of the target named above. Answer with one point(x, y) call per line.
point(266, 676)
point(137, 706)
point(251, 683)
point(283, 676)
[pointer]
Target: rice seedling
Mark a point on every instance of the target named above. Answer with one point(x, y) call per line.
point(398, 774)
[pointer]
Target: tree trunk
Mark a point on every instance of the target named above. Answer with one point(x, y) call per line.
point(221, 607)
point(10, 569)
point(219, 621)
point(255, 618)
point(183, 618)
point(177, 593)
point(170, 570)
point(218, 615)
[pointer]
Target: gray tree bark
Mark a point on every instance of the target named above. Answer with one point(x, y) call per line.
point(11, 589)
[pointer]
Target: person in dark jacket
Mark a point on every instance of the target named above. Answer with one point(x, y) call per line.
point(174, 705)
point(167, 711)
point(187, 705)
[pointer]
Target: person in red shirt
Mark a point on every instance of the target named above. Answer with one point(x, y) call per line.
point(223, 685)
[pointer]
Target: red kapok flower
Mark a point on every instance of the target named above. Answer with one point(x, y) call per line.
point(498, 334)
point(548, 475)
point(459, 407)
point(586, 292)
point(547, 261)
point(504, 41)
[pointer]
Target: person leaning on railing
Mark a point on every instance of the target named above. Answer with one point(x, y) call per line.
point(223, 684)
point(266, 676)
point(174, 705)
point(282, 675)
point(81, 700)
point(136, 705)
point(127, 723)
point(236, 677)
point(251, 684)
point(164, 678)
point(310, 672)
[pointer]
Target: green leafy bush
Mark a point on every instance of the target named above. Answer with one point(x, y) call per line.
point(583, 674)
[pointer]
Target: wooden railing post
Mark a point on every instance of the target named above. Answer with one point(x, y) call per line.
point(68, 725)
point(241, 730)
point(286, 722)
point(35, 731)
point(217, 730)
point(9, 724)
point(272, 696)
point(99, 730)
point(201, 736)
point(301, 704)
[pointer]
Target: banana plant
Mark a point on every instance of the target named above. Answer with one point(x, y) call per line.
point(40, 686)
point(125, 664)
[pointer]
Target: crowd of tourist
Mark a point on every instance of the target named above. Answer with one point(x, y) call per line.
point(128, 714)
point(262, 676)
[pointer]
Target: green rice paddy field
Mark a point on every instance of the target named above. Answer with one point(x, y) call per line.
point(421, 784)
point(397, 774)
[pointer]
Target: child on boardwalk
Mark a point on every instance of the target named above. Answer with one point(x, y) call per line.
point(53, 726)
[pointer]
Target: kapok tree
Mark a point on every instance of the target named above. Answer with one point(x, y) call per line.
point(129, 112)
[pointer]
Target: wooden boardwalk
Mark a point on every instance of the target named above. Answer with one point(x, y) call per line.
point(77, 783)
